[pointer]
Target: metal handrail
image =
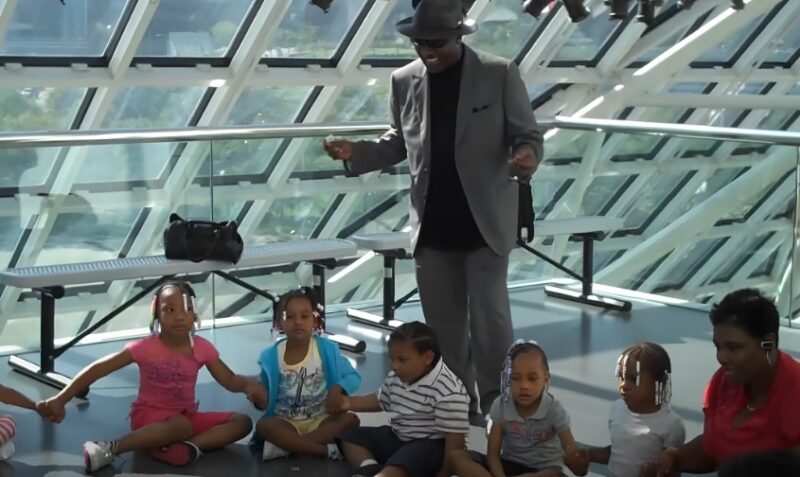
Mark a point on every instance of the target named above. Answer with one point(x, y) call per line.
point(222, 133)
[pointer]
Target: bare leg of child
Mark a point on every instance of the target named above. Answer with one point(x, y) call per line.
point(155, 435)
point(356, 454)
point(392, 471)
point(332, 426)
point(462, 464)
point(284, 435)
point(221, 435)
point(174, 429)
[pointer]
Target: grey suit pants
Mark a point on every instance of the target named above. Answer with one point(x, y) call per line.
point(464, 298)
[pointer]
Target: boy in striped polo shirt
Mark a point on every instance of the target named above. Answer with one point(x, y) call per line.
point(428, 408)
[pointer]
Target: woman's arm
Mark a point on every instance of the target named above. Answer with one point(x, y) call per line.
point(16, 398)
point(689, 457)
point(692, 458)
point(493, 450)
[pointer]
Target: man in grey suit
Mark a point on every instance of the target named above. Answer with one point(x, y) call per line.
point(464, 121)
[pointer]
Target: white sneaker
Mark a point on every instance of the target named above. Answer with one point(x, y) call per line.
point(96, 455)
point(6, 451)
point(334, 453)
point(271, 451)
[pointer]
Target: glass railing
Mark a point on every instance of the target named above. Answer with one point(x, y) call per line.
point(705, 210)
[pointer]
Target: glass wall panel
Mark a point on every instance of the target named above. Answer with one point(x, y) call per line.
point(201, 28)
point(504, 29)
point(308, 32)
point(388, 43)
point(50, 28)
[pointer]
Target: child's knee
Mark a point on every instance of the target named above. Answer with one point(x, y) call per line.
point(350, 419)
point(242, 422)
point(456, 457)
point(267, 425)
point(181, 426)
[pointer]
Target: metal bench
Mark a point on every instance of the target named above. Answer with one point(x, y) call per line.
point(49, 281)
point(395, 245)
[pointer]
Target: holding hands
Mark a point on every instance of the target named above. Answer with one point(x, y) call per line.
point(51, 409)
point(337, 402)
point(665, 465)
point(256, 393)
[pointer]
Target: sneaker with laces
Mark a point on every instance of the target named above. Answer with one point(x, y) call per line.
point(370, 470)
point(271, 451)
point(96, 455)
point(6, 451)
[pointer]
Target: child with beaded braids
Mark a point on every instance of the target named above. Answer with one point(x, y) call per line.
point(306, 376)
point(164, 418)
point(529, 432)
point(641, 423)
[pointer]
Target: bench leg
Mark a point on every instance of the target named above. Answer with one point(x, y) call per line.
point(345, 342)
point(586, 296)
point(387, 321)
point(45, 370)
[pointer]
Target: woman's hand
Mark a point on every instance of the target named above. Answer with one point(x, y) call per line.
point(665, 465)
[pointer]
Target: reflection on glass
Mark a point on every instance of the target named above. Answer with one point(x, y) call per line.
point(786, 47)
point(291, 219)
point(503, 30)
point(650, 198)
point(200, 28)
point(587, 37)
point(308, 32)
point(652, 53)
point(42, 109)
point(48, 28)
point(694, 257)
point(727, 48)
point(262, 107)
point(152, 107)
point(375, 212)
point(602, 190)
point(388, 43)
point(361, 103)
point(641, 144)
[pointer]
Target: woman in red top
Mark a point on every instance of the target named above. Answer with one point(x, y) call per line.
point(750, 403)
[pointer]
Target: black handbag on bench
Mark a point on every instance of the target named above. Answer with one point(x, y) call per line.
point(198, 240)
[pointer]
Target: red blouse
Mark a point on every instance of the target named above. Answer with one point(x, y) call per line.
point(775, 425)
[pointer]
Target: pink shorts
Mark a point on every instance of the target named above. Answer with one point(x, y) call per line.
point(201, 421)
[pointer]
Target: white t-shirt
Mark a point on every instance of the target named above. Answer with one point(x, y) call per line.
point(303, 388)
point(637, 439)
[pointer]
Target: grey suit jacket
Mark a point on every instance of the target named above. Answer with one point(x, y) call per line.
point(493, 118)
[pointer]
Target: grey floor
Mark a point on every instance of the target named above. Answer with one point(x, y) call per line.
point(582, 344)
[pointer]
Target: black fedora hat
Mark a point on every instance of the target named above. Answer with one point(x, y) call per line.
point(435, 19)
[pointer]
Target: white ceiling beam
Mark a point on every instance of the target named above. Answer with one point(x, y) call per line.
point(678, 23)
point(668, 65)
point(701, 217)
point(7, 8)
point(132, 36)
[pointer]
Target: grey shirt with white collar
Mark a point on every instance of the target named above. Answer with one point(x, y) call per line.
point(531, 441)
